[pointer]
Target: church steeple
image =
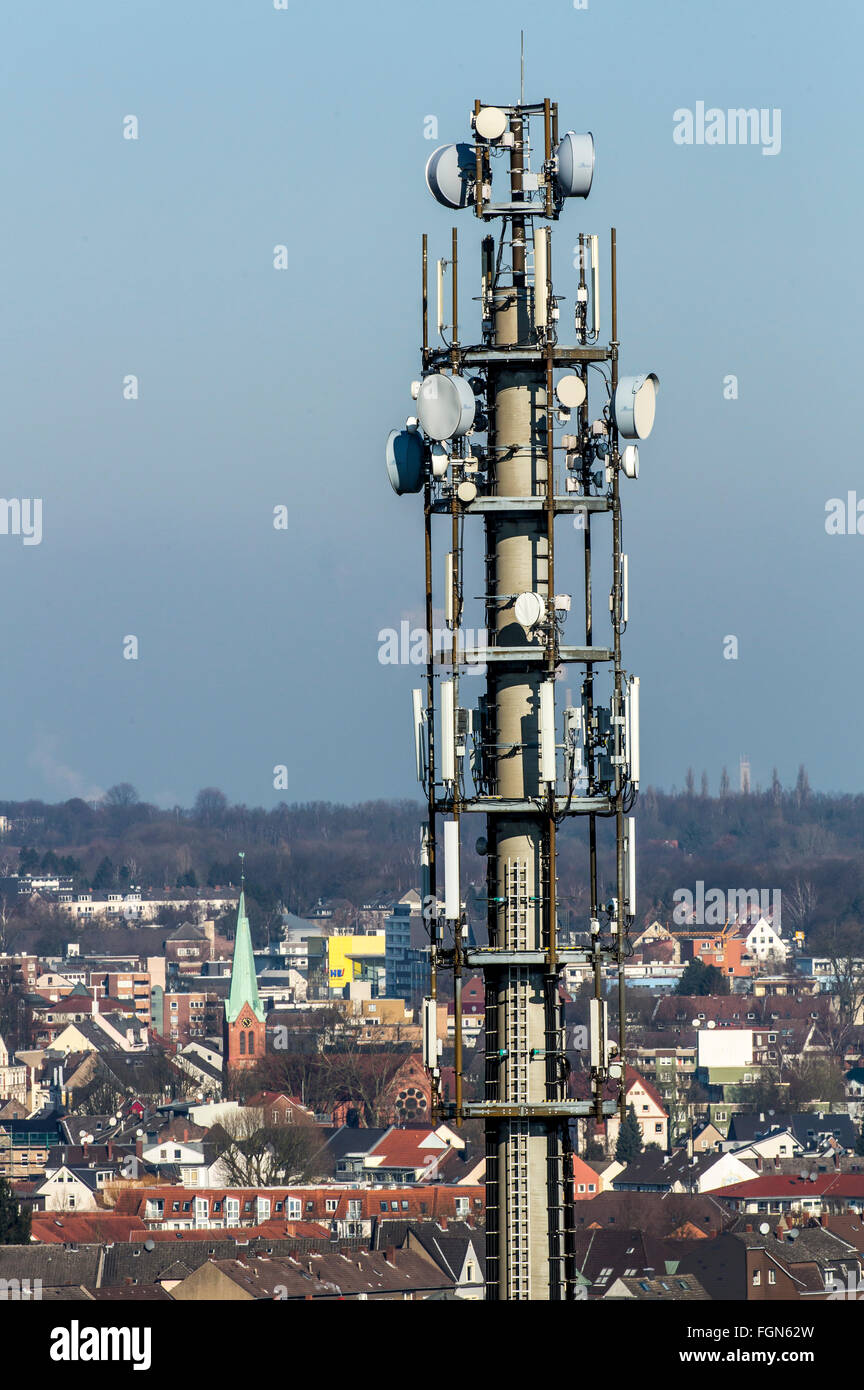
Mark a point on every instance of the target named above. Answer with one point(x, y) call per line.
point(244, 984)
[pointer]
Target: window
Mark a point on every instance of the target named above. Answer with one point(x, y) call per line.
point(581, 1187)
point(462, 1206)
point(232, 1210)
point(757, 1278)
point(355, 1206)
point(772, 1276)
point(332, 1204)
point(262, 1209)
point(603, 1276)
point(658, 1128)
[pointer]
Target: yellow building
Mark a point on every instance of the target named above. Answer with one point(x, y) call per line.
point(346, 956)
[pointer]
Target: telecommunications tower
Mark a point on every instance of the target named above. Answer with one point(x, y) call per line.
point(503, 443)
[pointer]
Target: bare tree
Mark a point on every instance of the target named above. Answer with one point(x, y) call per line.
point(258, 1155)
point(800, 903)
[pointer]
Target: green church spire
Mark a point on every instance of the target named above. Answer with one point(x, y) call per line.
point(244, 984)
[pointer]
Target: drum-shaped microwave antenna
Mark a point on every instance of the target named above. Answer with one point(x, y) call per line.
point(575, 164)
point(490, 123)
point(404, 457)
point(634, 403)
point(630, 461)
point(445, 405)
point(571, 391)
point(528, 610)
point(451, 171)
point(440, 460)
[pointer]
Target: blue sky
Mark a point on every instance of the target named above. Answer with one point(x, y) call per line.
point(258, 387)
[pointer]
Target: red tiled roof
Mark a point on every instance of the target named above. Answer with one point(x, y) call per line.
point(84, 1228)
point(402, 1148)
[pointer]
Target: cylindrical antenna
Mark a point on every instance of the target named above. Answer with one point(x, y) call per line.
point(425, 295)
point(449, 615)
point(454, 272)
point(614, 273)
point(478, 171)
point(625, 589)
point(547, 139)
point(440, 298)
point(595, 286)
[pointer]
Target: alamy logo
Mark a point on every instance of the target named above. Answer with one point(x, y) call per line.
point(22, 516)
point(717, 907)
point(410, 646)
point(77, 1343)
point(739, 126)
point(852, 1290)
point(17, 1290)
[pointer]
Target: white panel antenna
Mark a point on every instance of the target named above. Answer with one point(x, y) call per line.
point(448, 731)
point(452, 894)
point(631, 717)
point(597, 1013)
point(630, 866)
point(419, 735)
point(548, 771)
point(541, 277)
point(430, 1034)
point(573, 742)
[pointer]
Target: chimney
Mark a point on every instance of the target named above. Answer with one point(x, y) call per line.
point(185, 1136)
point(110, 1149)
point(390, 1255)
point(748, 1227)
point(442, 1222)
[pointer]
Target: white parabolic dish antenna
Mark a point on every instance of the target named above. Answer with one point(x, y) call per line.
point(450, 174)
point(490, 123)
point(575, 170)
point(571, 391)
point(445, 406)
